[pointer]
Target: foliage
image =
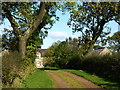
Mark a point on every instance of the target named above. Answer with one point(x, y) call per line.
point(15, 69)
point(68, 55)
point(90, 18)
point(21, 14)
point(11, 63)
point(49, 54)
point(28, 20)
point(105, 66)
point(114, 41)
point(63, 54)
point(27, 17)
point(8, 38)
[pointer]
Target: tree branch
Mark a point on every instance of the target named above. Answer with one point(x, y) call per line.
point(19, 18)
point(14, 24)
point(36, 22)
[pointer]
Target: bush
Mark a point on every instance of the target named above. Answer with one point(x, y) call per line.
point(11, 66)
point(107, 65)
point(75, 61)
point(15, 69)
point(49, 62)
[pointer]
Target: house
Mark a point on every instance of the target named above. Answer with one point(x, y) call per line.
point(39, 60)
point(42, 51)
point(100, 51)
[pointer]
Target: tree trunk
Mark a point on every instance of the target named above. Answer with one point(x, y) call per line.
point(22, 46)
point(23, 37)
point(27, 33)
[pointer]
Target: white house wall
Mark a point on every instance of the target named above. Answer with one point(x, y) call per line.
point(39, 60)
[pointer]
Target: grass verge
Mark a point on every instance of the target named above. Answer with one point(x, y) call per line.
point(95, 79)
point(38, 79)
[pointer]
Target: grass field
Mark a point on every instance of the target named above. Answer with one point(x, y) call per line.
point(38, 79)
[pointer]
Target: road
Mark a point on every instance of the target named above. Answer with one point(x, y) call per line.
point(64, 79)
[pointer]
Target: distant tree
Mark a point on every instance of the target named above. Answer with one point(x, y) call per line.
point(114, 41)
point(60, 54)
point(51, 50)
point(72, 41)
point(90, 18)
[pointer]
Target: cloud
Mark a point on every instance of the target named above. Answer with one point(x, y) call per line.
point(58, 35)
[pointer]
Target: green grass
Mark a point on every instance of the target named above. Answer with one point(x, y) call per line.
point(95, 79)
point(51, 68)
point(38, 79)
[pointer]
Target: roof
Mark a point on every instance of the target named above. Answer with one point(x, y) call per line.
point(42, 50)
point(97, 51)
point(100, 51)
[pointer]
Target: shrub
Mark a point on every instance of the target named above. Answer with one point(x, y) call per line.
point(75, 61)
point(11, 65)
point(107, 65)
point(15, 69)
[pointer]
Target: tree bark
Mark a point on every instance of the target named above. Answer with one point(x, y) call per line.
point(22, 46)
point(89, 44)
point(27, 33)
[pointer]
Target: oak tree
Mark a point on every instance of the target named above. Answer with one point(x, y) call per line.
point(90, 18)
point(26, 18)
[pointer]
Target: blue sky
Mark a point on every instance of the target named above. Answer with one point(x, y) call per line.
point(60, 30)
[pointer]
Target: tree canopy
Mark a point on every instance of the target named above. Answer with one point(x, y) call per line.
point(26, 18)
point(114, 41)
point(90, 18)
point(62, 54)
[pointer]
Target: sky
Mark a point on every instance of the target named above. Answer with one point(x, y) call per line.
point(60, 30)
